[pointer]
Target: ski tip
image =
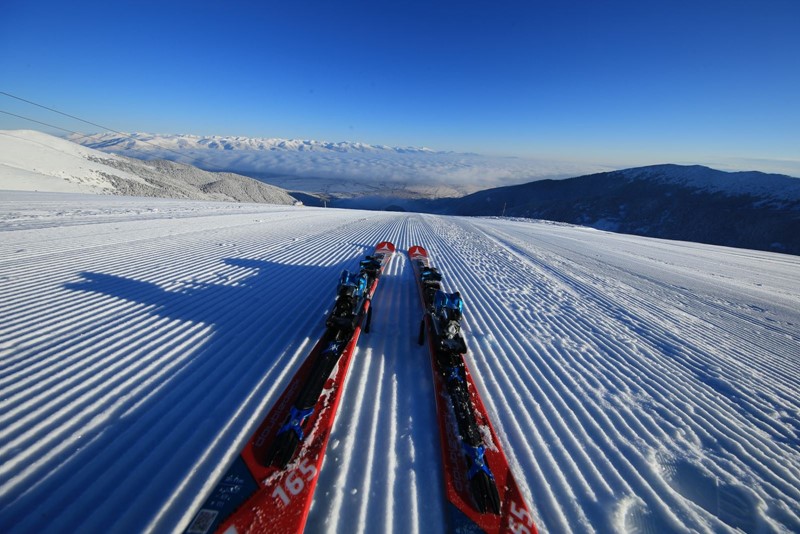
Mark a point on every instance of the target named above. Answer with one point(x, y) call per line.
point(384, 247)
point(417, 251)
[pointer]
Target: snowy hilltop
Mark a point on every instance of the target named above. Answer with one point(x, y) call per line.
point(34, 161)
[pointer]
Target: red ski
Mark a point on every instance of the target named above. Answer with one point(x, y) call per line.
point(480, 488)
point(270, 486)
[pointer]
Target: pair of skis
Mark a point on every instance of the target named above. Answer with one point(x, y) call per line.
point(270, 486)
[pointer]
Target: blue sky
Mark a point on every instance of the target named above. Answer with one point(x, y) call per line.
point(627, 82)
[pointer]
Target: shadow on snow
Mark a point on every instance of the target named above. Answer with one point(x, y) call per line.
point(255, 318)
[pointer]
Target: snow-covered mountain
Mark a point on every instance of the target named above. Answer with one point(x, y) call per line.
point(34, 161)
point(777, 188)
point(342, 169)
point(690, 203)
point(636, 385)
point(136, 141)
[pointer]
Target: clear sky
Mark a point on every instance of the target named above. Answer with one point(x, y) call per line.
point(639, 81)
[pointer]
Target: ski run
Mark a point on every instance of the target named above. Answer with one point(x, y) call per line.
point(633, 385)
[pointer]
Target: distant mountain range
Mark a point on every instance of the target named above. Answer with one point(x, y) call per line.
point(690, 203)
point(135, 141)
point(341, 169)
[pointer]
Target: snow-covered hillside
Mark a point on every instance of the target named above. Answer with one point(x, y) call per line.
point(34, 161)
point(637, 385)
point(690, 203)
point(772, 187)
point(342, 169)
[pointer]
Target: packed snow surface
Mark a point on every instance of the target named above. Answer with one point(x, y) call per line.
point(636, 385)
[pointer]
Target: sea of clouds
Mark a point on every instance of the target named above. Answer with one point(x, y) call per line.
point(381, 166)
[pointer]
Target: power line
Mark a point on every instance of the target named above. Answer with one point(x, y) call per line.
point(198, 162)
point(45, 124)
point(37, 122)
point(81, 135)
point(59, 112)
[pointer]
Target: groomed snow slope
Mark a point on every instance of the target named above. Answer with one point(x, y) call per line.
point(637, 385)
